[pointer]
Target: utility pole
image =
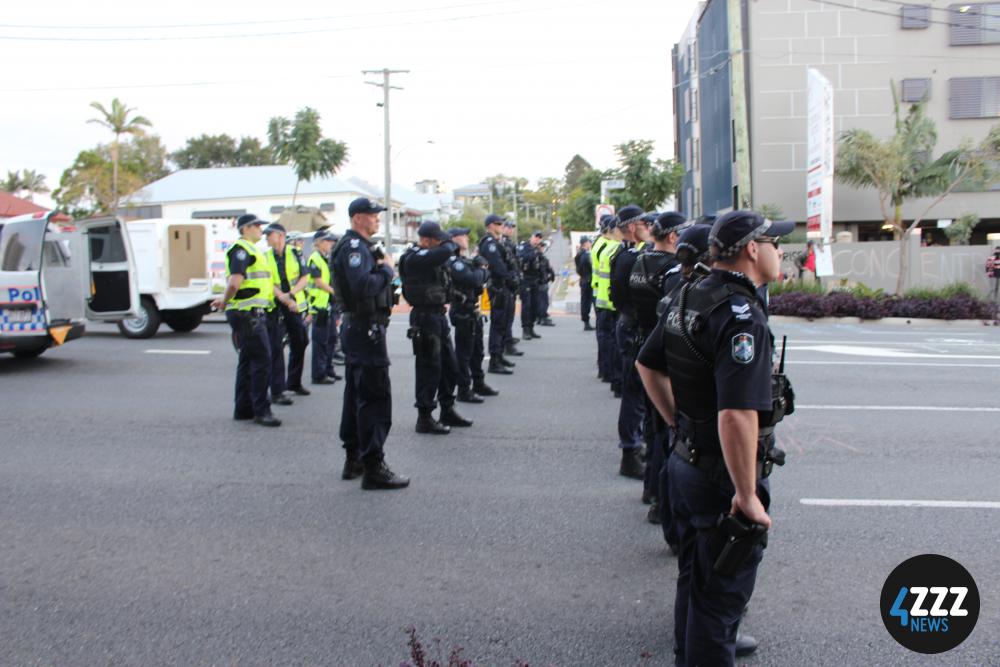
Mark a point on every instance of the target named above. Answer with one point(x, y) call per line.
point(386, 73)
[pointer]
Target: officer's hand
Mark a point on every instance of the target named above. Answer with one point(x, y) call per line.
point(309, 319)
point(218, 304)
point(752, 509)
point(292, 306)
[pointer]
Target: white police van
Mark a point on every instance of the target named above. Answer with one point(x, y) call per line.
point(51, 282)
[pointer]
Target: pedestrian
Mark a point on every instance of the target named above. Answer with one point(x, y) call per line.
point(529, 258)
point(363, 281)
point(609, 363)
point(320, 308)
point(632, 409)
point(708, 370)
point(426, 277)
point(468, 277)
point(993, 273)
point(585, 270)
point(549, 277)
point(500, 289)
point(290, 279)
point(247, 299)
point(509, 248)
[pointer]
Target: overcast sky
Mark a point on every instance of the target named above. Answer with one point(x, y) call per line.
point(512, 86)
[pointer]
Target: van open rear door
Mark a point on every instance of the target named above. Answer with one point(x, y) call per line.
point(113, 292)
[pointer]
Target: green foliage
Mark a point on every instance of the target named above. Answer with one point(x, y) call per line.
point(577, 213)
point(960, 231)
point(955, 289)
point(222, 150)
point(27, 180)
point(575, 169)
point(119, 120)
point(772, 212)
point(301, 143)
point(12, 183)
point(648, 182)
point(796, 287)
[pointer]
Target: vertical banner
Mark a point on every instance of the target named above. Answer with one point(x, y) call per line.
point(819, 177)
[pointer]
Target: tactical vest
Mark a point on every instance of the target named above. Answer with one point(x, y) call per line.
point(509, 250)
point(292, 272)
point(602, 274)
point(531, 266)
point(376, 308)
point(465, 298)
point(690, 355)
point(424, 290)
point(257, 289)
point(646, 285)
point(319, 300)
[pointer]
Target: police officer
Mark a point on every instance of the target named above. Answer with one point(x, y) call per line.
point(608, 369)
point(532, 275)
point(632, 409)
point(585, 270)
point(468, 277)
point(247, 299)
point(426, 276)
point(320, 294)
point(708, 369)
point(548, 276)
point(290, 280)
point(509, 247)
point(501, 289)
point(363, 280)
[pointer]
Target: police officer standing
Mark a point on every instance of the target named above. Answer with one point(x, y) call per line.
point(426, 277)
point(509, 248)
point(532, 276)
point(468, 277)
point(247, 299)
point(601, 254)
point(290, 280)
point(503, 283)
point(320, 307)
point(585, 270)
point(363, 280)
point(548, 276)
point(708, 369)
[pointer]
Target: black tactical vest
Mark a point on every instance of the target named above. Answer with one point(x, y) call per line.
point(376, 307)
point(465, 298)
point(423, 290)
point(646, 285)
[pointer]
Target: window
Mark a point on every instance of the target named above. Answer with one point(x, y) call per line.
point(688, 162)
point(695, 158)
point(225, 213)
point(915, 17)
point(977, 23)
point(22, 245)
point(694, 105)
point(687, 106)
point(696, 211)
point(974, 97)
point(277, 210)
point(915, 90)
point(328, 206)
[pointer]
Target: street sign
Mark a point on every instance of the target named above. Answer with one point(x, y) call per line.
point(614, 184)
point(819, 162)
point(602, 209)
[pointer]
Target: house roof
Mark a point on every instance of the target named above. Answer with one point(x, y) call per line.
point(240, 182)
point(422, 203)
point(11, 206)
point(475, 190)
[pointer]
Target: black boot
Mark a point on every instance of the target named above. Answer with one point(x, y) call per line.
point(496, 366)
point(546, 322)
point(653, 515)
point(377, 475)
point(451, 418)
point(267, 419)
point(483, 389)
point(427, 424)
point(587, 327)
point(512, 351)
point(631, 465)
point(282, 399)
point(467, 395)
point(529, 333)
point(352, 468)
point(507, 362)
point(745, 644)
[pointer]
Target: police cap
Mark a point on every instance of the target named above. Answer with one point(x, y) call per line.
point(275, 227)
point(363, 205)
point(432, 230)
point(629, 214)
point(458, 231)
point(494, 219)
point(248, 219)
point(734, 230)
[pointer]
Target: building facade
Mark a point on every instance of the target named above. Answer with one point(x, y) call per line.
point(748, 135)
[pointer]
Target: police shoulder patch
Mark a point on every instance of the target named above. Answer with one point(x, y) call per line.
point(459, 266)
point(354, 260)
point(743, 351)
point(741, 309)
point(241, 254)
point(492, 247)
point(422, 252)
point(355, 243)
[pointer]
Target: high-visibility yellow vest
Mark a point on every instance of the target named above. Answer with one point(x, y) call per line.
point(602, 271)
point(598, 244)
point(318, 299)
point(258, 279)
point(293, 271)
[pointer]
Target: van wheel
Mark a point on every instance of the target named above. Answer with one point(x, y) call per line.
point(183, 322)
point(30, 353)
point(145, 324)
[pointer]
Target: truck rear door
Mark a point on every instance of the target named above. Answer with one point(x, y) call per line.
point(113, 293)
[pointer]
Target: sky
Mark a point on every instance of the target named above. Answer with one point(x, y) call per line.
point(498, 86)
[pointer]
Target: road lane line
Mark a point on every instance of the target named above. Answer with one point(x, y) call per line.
point(865, 502)
point(916, 408)
point(857, 351)
point(792, 362)
point(178, 352)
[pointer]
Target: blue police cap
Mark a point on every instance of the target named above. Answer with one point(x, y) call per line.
point(539, 235)
point(248, 219)
point(364, 205)
point(629, 214)
point(458, 231)
point(509, 223)
point(695, 238)
point(734, 230)
point(494, 219)
point(584, 239)
point(606, 222)
point(432, 230)
point(324, 235)
point(649, 218)
point(275, 227)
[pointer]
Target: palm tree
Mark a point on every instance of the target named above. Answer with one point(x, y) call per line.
point(33, 182)
point(118, 121)
point(13, 183)
point(301, 142)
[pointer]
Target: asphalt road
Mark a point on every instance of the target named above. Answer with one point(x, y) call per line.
point(142, 526)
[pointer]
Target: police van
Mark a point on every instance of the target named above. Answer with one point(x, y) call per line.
point(52, 281)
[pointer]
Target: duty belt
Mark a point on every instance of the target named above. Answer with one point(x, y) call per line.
point(714, 464)
point(365, 320)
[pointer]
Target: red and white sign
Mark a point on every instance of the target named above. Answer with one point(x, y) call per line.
point(819, 164)
point(601, 210)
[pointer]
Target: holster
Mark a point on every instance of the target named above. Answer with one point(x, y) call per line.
point(741, 538)
point(416, 335)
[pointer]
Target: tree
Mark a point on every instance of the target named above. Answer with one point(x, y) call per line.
point(547, 197)
point(13, 183)
point(648, 182)
point(575, 169)
point(902, 168)
point(960, 231)
point(33, 182)
point(221, 150)
point(301, 143)
point(771, 211)
point(577, 212)
point(118, 120)
point(87, 186)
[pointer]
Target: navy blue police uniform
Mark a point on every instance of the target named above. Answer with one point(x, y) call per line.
point(500, 290)
point(468, 277)
point(509, 248)
point(714, 343)
point(532, 275)
point(585, 269)
point(250, 330)
point(548, 276)
point(283, 321)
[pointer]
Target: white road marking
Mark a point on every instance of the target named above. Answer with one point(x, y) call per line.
point(856, 351)
point(791, 362)
point(178, 352)
point(913, 408)
point(866, 502)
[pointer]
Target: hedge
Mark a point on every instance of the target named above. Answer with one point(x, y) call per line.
point(951, 303)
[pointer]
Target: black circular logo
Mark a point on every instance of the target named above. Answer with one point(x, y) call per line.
point(930, 603)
